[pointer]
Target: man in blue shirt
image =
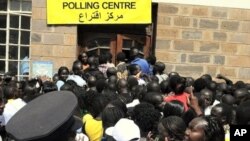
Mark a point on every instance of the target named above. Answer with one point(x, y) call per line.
point(135, 59)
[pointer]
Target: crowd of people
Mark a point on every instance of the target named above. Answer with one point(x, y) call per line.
point(135, 100)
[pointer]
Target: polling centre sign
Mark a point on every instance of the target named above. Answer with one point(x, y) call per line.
point(98, 11)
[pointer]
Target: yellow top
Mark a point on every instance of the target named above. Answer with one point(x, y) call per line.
point(93, 127)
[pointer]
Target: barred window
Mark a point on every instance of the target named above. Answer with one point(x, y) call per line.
point(15, 26)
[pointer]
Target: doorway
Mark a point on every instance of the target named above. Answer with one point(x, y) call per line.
point(98, 39)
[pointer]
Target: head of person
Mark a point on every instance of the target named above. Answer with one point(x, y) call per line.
point(134, 52)
point(91, 81)
point(155, 99)
point(95, 103)
point(103, 59)
point(35, 123)
point(146, 118)
point(10, 92)
point(49, 86)
point(171, 128)
point(153, 87)
point(109, 57)
point(111, 115)
point(177, 84)
point(77, 67)
point(111, 71)
point(83, 57)
point(93, 62)
point(173, 108)
point(205, 128)
point(240, 95)
point(207, 77)
point(134, 69)
point(159, 68)
point(223, 113)
point(63, 73)
point(189, 81)
point(207, 96)
point(199, 84)
point(228, 99)
point(243, 114)
point(121, 57)
point(173, 74)
point(151, 59)
point(165, 89)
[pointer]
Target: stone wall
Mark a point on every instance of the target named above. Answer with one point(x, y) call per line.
point(51, 43)
point(194, 40)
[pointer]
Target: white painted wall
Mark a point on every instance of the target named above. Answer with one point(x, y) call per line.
point(244, 4)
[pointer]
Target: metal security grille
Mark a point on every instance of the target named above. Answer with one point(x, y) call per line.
point(15, 26)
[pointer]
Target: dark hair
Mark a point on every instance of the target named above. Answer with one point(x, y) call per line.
point(173, 108)
point(121, 57)
point(214, 130)
point(175, 128)
point(111, 71)
point(49, 86)
point(103, 59)
point(159, 67)
point(146, 117)
point(243, 114)
point(95, 103)
point(177, 84)
point(10, 92)
point(151, 59)
point(165, 87)
point(153, 87)
point(61, 69)
point(111, 115)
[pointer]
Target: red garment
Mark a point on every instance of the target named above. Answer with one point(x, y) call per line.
point(181, 97)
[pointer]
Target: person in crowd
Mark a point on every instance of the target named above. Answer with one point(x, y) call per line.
point(151, 59)
point(122, 66)
point(209, 99)
point(95, 103)
point(91, 83)
point(147, 118)
point(135, 59)
point(243, 114)
point(171, 128)
point(153, 87)
point(14, 103)
point(83, 57)
point(223, 113)
point(240, 95)
point(103, 64)
point(31, 90)
point(158, 71)
point(177, 85)
point(173, 108)
point(63, 73)
point(49, 86)
point(204, 128)
point(109, 60)
point(93, 70)
point(135, 71)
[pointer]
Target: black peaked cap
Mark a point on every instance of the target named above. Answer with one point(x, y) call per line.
point(42, 116)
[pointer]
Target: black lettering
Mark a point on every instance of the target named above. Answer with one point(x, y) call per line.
point(105, 5)
point(119, 5)
point(80, 17)
point(80, 5)
point(65, 4)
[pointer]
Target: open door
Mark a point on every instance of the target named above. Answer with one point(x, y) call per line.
point(98, 43)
